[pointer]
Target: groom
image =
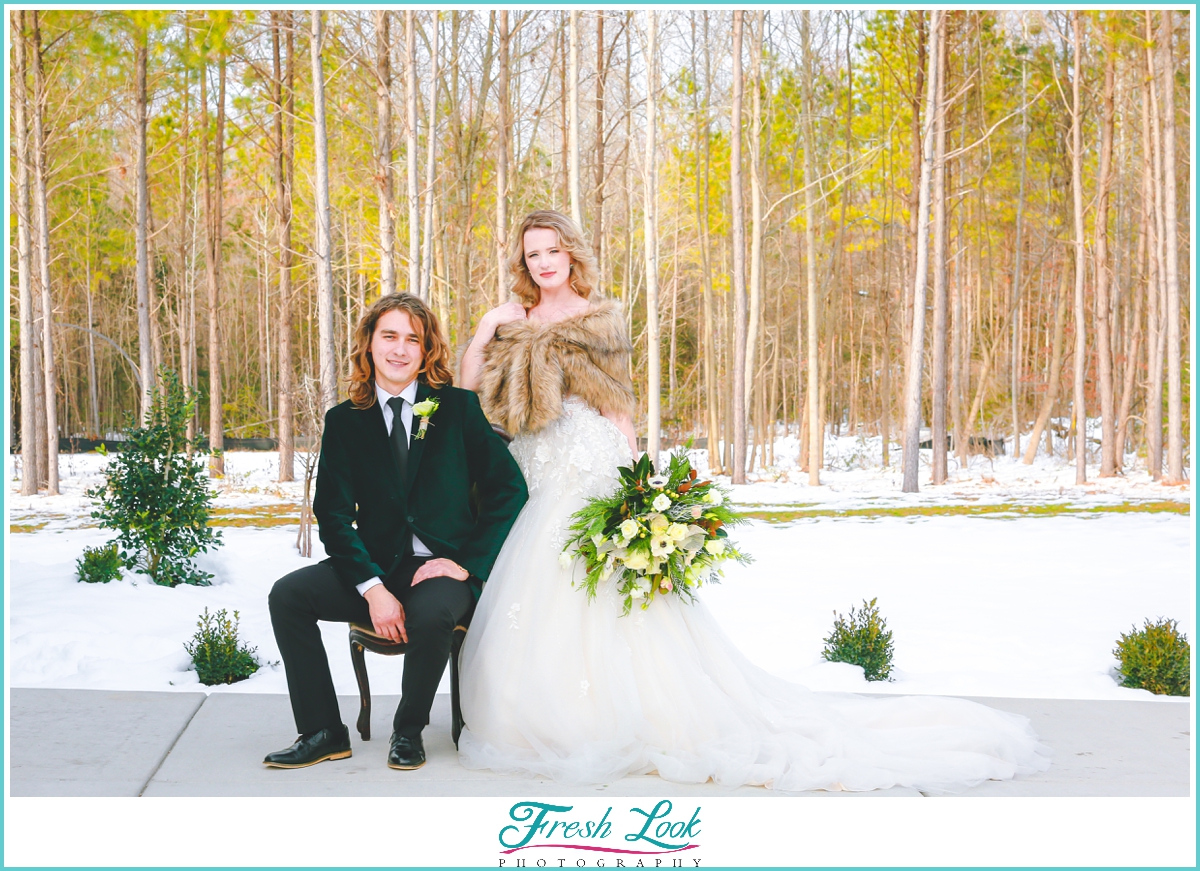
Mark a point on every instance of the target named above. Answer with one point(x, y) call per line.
point(405, 549)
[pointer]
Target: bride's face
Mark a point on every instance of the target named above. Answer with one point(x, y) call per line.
point(548, 263)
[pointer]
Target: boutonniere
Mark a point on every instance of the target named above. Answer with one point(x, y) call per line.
point(425, 410)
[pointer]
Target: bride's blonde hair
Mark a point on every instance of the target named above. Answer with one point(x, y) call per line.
point(584, 277)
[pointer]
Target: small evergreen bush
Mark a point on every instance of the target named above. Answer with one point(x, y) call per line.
point(156, 494)
point(863, 639)
point(99, 565)
point(1156, 657)
point(217, 654)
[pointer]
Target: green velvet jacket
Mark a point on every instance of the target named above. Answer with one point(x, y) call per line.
point(365, 516)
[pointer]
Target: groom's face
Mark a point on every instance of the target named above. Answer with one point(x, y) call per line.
point(397, 351)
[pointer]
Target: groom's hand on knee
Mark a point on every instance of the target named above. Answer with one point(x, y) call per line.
point(440, 568)
point(387, 614)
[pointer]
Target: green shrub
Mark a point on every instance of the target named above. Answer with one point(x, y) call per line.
point(156, 494)
point(1156, 658)
point(99, 565)
point(863, 639)
point(216, 652)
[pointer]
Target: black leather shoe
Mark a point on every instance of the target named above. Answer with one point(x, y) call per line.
point(406, 753)
point(332, 743)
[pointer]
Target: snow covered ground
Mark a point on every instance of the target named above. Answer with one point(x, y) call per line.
point(995, 605)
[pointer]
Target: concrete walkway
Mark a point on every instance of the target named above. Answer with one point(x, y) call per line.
point(102, 743)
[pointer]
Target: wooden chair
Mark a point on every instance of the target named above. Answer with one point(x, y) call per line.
point(363, 638)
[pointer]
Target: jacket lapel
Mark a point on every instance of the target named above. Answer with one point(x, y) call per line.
point(416, 446)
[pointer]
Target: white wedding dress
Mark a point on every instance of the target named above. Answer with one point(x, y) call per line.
point(556, 686)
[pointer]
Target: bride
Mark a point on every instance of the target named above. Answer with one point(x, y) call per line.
point(556, 686)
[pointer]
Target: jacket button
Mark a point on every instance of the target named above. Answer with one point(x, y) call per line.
point(412, 519)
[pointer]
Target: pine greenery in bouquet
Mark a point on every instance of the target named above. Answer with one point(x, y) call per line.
point(658, 533)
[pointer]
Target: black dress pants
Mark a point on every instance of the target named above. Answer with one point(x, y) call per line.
point(431, 610)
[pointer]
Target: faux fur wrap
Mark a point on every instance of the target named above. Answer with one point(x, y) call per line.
point(530, 366)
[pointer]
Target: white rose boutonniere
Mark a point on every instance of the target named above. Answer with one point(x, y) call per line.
point(424, 410)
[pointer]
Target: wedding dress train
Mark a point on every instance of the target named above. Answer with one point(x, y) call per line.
point(557, 686)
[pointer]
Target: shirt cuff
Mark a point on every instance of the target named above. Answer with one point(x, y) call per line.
point(366, 585)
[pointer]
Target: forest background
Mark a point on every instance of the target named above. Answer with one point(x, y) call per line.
point(959, 226)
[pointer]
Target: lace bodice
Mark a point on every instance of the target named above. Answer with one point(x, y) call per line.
point(580, 450)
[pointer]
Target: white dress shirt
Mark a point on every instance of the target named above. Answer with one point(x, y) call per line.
point(409, 395)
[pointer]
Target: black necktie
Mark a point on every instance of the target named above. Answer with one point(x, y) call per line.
point(399, 436)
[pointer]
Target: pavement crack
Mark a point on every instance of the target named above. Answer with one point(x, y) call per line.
point(171, 747)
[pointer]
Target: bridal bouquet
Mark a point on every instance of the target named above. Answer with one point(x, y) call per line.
point(659, 533)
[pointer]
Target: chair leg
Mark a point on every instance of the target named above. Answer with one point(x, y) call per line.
point(359, 660)
point(456, 720)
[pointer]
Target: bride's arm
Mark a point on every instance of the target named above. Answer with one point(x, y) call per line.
point(625, 424)
point(472, 361)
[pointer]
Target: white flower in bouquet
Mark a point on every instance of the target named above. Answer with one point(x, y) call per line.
point(639, 561)
point(637, 593)
point(714, 497)
point(565, 559)
point(657, 482)
point(609, 568)
point(598, 539)
point(659, 524)
point(661, 502)
point(677, 531)
point(661, 546)
point(697, 511)
point(716, 547)
point(629, 528)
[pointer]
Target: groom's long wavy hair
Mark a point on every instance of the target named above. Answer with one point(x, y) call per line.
point(435, 369)
point(584, 277)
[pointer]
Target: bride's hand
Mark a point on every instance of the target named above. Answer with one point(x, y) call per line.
point(472, 361)
point(503, 314)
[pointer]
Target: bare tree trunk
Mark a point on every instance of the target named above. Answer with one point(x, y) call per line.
point(1108, 438)
point(923, 50)
point(1079, 406)
point(324, 255)
point(756, 211)
point(145, 354)
point(1133, 348)
point(916, 356)
point(815, 436)
point(1171, 241)
point(573, 156)
point(156, 346)
point(213, 227)
point(283, 99)
point(383, 151)
point(414, 209)
point(185, 336)
point(1018, 256)
point(702, 189)
point(650, 218)
point(502, 167)
point(598, 207)
point(938, 376)
point(49, 379)
point(1055, 373)
point(1158, 265)
point(427, 259)
point(93, 385)
point(30, 446)
point(738, 241)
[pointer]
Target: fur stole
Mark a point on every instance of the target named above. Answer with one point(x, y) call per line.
point(530, 366)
